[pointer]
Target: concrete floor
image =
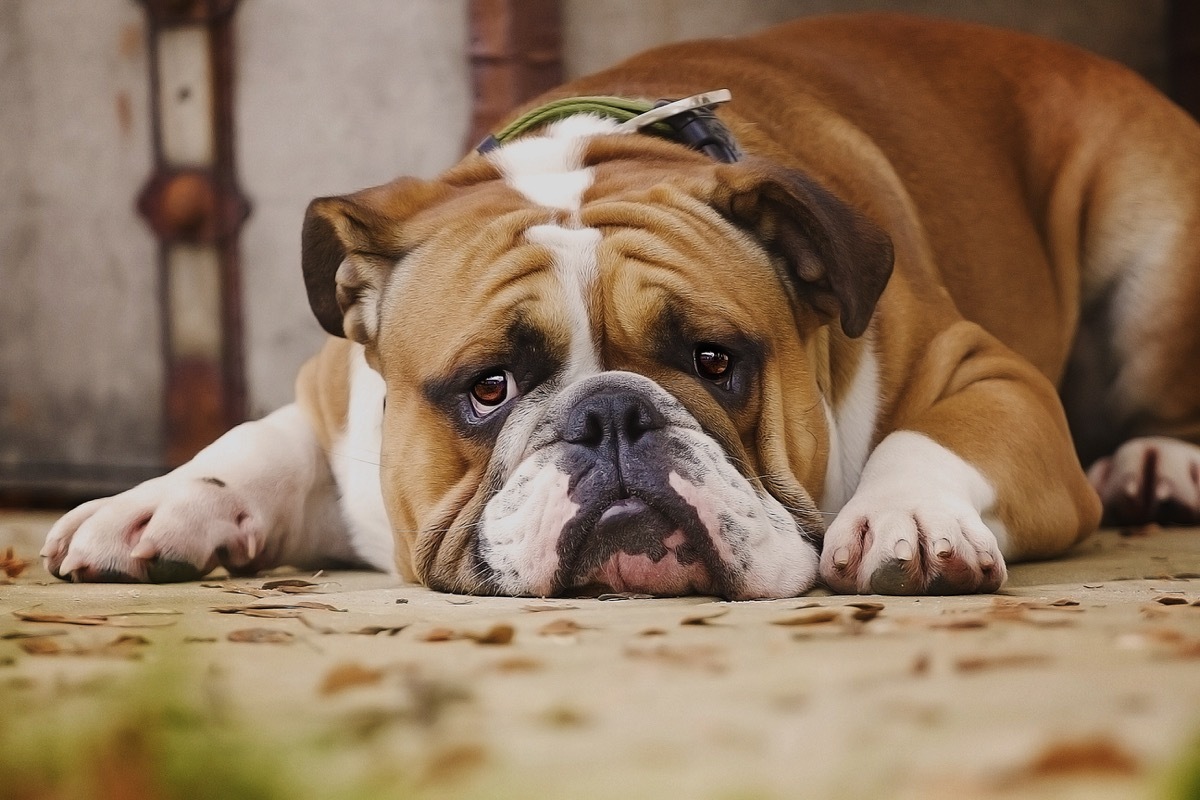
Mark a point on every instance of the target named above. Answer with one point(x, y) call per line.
point(1081, 679)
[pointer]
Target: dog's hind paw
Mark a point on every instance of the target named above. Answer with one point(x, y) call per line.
point(1149, 479)
point(173, 528)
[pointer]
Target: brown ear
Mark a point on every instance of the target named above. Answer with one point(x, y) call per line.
point(350, 245)
point(840, 260)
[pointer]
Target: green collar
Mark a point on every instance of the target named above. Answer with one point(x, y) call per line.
point(689, 121)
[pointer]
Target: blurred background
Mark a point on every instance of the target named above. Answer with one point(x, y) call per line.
point(156, 158)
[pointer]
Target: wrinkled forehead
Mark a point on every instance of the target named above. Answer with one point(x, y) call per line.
point(545, 242)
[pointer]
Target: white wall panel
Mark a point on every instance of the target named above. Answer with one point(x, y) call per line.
point(80, 360)
point(332, 97)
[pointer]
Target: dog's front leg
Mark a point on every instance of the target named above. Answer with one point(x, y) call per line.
point(978, 468)
point(260, 496)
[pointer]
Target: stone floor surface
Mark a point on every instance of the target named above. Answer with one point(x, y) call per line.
point(1080, 679)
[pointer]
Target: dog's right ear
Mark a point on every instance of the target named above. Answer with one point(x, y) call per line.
point(350, 245)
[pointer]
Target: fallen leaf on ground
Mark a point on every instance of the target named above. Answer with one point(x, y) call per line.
point(375, 630)
point(1098, 754)
point(865, 612)
point(547, 606)
point(652, 632)
point(625, 596)
point(704, 618)
point(980, 663)
point(125, 646)
point(517, 664)
point(920, 665)
point(1063, 603)
point(460, 601)
point(11, 565)
point(811, 618)
point(958, 624)
point(261, 636)
point(449, 762)
point(497, 634)
point(264, 613)
point(1171, 600)
point(284, 584)
point(30, 634)
point(560, 627)
point(349, 676)
point(126, 619)
point(199, 639)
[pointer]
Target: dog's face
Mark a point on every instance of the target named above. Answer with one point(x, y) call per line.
point(602, 358)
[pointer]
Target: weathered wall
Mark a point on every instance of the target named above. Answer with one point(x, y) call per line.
point(80, 362)
point(332, 97)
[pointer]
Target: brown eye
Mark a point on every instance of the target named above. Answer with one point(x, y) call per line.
point(712, 362)
point(491, 391)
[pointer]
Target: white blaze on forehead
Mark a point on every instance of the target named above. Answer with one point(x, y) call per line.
point(575, 265)
point(548, 168)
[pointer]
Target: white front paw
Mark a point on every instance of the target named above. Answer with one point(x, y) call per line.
point(1149, 479)
point(168, 529)
point(911, 550)
point(914, 525)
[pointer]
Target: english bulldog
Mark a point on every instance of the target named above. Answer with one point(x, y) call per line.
point(860, 325)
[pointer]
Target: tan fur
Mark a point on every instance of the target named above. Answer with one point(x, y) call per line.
point(983, 159)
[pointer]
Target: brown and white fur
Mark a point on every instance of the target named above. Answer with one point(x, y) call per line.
point(1036, 208)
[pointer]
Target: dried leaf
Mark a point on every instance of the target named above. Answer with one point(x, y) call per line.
point(652, 632)
point(31, 634)
point(60, 619)
point(1099, 754)
point(865, 612)
point(920, 665)
point(1093, 586)
point(460, 601)
point(261, 636)
point(199, 639)
point(1064, 602)
point(958, 624)
point(348, 676)
point(980, 663)
point(125, 646)
point(11, 565)
point(548, 606)
point(41, 647)
point(625, 596)
point(127, 619)
point(517, 664)
point(288, 583)
point(560, 627)
point(817, 617)
point(440, 635)
point(704, 618)
point(497, 634)
point(375, 630)
point(1171, 600)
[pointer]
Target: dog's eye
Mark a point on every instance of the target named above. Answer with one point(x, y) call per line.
point(491, 391)
point(712, 362)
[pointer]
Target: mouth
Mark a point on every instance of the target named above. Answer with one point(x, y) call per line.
point(634, 547)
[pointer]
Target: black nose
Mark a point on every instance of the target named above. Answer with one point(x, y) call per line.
point(611, 418)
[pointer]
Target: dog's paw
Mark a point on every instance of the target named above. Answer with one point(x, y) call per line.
point(1149, 479)
point(911, 550)
point(173, 528)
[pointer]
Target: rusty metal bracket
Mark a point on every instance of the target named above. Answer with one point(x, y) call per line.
point(195, 207)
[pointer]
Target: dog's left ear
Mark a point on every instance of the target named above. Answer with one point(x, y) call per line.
point(349, 246)
point(840, 260)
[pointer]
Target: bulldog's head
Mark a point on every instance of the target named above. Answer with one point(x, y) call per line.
point(602, 355)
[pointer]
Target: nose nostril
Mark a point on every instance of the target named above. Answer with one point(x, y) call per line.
point(611, 417)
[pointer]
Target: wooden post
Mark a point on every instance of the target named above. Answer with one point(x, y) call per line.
point(516, 54)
